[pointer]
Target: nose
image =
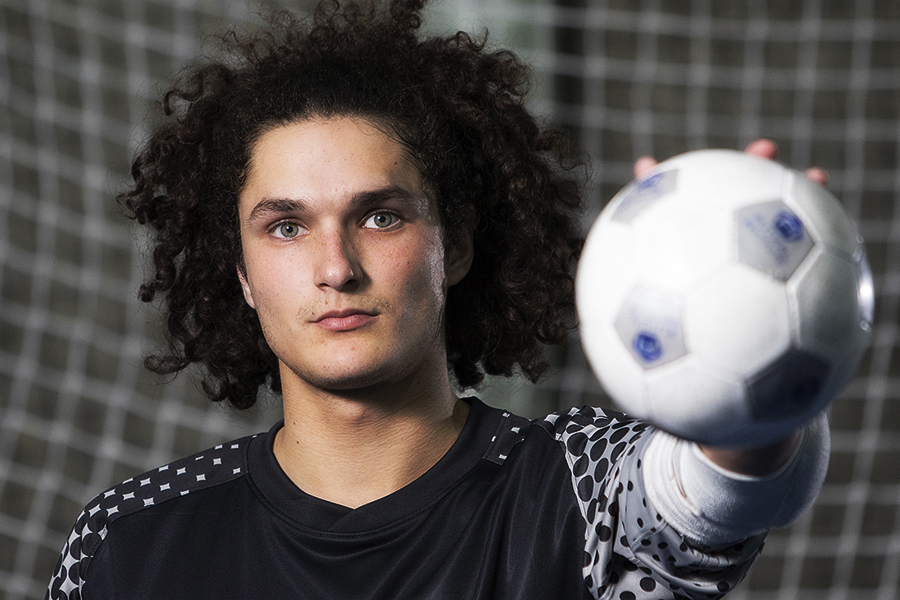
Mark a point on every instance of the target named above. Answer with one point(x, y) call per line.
point(337, 262)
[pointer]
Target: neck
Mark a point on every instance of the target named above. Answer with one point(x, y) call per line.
point(353, 447)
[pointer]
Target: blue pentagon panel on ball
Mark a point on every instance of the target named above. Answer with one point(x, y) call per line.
point(772, 238)
point(649, 325)
point(644, 193)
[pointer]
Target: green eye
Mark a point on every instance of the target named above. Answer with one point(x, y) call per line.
point(287, 230)
point(381, 220)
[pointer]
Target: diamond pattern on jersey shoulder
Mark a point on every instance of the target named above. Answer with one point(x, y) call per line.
point(510, 431)
point(210, 468)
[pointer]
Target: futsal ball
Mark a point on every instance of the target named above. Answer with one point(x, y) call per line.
point(724, 298)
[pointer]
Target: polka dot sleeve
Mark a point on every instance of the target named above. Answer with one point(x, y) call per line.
point(630, 551)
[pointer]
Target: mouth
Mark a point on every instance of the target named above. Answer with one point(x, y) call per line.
point(344, 320)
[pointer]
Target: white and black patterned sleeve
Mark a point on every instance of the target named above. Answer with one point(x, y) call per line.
point(213, 467)
point(630, 550)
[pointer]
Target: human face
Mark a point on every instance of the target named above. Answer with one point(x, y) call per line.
point(344, 260)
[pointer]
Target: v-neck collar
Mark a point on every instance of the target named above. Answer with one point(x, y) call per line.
point(315, 514)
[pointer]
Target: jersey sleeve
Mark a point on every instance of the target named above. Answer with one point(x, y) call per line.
point(215, 466)
point(630, 551)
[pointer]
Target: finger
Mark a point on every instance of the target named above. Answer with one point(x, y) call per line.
point(644, 164)
point(818, 175)
point(763, 147)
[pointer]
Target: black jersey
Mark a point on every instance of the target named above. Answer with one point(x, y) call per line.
point(516, 509)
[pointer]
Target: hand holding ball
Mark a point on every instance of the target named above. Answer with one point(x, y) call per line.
point(724, 298)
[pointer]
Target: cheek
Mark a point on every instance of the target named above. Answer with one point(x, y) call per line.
point(271, 285)
point(411, 278)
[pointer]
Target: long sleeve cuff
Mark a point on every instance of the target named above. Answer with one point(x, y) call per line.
point(712, 507)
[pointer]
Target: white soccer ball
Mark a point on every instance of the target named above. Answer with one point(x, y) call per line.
point(724, 298)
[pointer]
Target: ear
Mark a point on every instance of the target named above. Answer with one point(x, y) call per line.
point(458, 259)
point(248, 295)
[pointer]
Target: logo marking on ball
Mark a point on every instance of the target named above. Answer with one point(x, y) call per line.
point(789, 226)
point(650, 183)
point(772, 239)
point(649, 325)
point(647, 346)
point(643, 194)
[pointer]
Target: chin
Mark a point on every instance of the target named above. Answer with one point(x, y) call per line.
point(346, 379)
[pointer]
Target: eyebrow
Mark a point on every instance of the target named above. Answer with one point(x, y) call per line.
point(268, 206)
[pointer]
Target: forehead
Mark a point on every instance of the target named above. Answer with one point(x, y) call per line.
point(332, 156)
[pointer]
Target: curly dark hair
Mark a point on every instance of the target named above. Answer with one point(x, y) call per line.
point(456, 106)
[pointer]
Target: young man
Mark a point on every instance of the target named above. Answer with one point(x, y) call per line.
point(367, 222)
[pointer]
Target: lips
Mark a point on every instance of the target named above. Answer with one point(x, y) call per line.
point(344, 320)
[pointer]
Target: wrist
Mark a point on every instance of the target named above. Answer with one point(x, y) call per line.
point(754, 462)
